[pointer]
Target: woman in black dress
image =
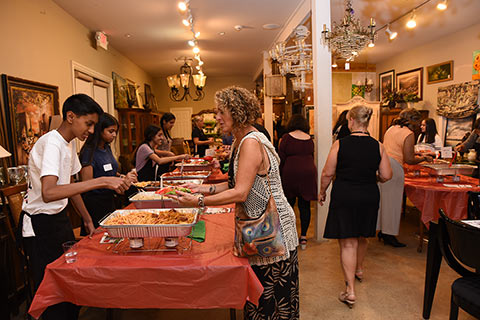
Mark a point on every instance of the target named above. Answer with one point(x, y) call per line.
point(200, 141)
point(354, 200)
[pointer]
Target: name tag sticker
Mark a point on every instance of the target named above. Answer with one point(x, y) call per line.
point(107, 167)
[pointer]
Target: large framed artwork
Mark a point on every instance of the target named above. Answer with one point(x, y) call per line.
point(411, 82)
point(29, 107)
point(148, 97)
point(386, 83)
point(456, 129)
point(120, 88)
point(440, 72)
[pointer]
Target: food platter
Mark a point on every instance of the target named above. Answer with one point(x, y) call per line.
point(149, 230)
point(444, 169)
point(151, 200)
point(155, 185)
point(195, 164)
point(177, 175)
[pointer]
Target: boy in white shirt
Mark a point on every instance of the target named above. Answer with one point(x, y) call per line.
point(52, 163)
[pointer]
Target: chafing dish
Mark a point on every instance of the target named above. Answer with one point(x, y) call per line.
point(443, 169)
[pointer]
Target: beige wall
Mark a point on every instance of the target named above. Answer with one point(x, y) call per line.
point(212, 85)
point(457, 47)
point(39, 40)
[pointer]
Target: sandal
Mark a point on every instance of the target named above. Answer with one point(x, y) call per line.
point(303, 243)
point(347, 298)
point(359, 275)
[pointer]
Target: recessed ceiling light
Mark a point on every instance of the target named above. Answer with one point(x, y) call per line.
point(221, 33)
point(271, 26)
point(127, 35)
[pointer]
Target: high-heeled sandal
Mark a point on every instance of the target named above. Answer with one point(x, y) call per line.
point(359, 275)
point(346, 298)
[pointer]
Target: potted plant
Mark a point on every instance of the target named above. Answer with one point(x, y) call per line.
point(392, 98)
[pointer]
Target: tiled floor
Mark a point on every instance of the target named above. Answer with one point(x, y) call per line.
point(392, 288)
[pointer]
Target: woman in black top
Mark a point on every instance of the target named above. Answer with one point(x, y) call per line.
point(354, 200)
point(340, 129)
point(200, 140)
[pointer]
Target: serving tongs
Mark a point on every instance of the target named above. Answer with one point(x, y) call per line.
point(453, 160)
point(181, 168)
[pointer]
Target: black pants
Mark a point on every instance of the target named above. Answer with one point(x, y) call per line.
point(50, 232)
point(304, 208)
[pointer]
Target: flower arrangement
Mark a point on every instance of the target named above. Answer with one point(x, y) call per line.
point(391, 98)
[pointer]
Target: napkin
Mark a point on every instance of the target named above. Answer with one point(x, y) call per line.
point(198, 231)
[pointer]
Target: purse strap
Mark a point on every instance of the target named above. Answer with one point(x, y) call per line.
point(262, 151)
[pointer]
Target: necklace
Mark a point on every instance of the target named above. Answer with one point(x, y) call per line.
point(364, 132)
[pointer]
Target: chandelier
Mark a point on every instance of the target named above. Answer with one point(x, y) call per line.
point(349, 37)
point(295, 59)
point(182, 80)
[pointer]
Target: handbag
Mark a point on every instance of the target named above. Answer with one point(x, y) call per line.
point(260, 236)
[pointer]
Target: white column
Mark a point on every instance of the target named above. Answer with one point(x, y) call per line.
point(322, 87)
point(268, 101)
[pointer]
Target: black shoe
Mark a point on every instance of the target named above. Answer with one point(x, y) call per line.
point(380, 235)
point(392, 241)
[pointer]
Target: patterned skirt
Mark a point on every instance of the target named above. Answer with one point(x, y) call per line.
point(280, 299)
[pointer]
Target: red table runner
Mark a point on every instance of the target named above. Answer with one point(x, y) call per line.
point(209, 276)
point(429, 196)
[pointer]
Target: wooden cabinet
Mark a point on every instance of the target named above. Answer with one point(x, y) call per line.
point(131, 132)
point(388, 115)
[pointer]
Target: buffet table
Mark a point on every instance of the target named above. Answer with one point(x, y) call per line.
point(205, 277)
point(429, 196)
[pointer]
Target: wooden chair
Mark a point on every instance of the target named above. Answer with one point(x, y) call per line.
point(19, 274)
point(460, 249)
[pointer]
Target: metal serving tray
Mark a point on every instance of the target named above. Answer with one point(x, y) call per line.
point(149, 230)
point(195, 166)
point(187, 175)
point(158, 202)
point(179, 182)
point(443, 169)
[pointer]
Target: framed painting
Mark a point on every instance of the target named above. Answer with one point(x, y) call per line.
point(148, 96)
point(28, 110)
point(440, 72)
point(310, 116)
point(457, 129)
point(386, 83)
point(476, 65)
point(411, 82)
point(120, 88)
point(132, 95)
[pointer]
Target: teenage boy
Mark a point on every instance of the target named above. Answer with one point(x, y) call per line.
point(52, 163)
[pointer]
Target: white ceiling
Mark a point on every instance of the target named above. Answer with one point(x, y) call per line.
point(158, 37)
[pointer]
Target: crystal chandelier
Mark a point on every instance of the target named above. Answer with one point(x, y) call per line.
point(176, 81)
point(295, 59)
point(348, 38)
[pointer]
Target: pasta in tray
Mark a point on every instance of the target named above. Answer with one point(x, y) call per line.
point(147, 217)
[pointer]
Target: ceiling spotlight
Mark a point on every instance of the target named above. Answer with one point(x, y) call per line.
point(197, 67)
point(197, 34)
point(182, 5)
point(200, 62)
point(391, 34)
point(221, 33)
point(411, 23)
point(442, 5)
point(185, 22)
point(192, 43)
point(196, 50)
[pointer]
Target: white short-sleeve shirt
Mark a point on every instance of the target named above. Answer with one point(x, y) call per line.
point(51, 155)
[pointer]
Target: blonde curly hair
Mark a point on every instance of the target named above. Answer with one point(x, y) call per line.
point(241, 103)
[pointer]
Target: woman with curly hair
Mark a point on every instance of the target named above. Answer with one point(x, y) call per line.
point(254, 183)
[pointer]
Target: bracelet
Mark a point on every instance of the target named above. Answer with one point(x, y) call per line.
point(212, 189)
point(201, 201)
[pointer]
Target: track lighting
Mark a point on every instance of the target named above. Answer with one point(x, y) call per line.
point(411, 23)
point(442, 5)
point(391, 34)
point(196, 50)
point(182, 5)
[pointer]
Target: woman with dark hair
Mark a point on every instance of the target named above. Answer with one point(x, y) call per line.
point(340, 129)
point(167, 121)
point(97, 160)
point(429, 133)
point(147, 162)
point(200, 141)
point(399, 141)
point(298, 171)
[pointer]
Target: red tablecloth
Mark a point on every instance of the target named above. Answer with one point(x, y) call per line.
point(209, 276)
point(217, 176)
point(428, 196)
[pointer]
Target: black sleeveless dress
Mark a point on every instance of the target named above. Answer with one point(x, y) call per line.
point(354, 199)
